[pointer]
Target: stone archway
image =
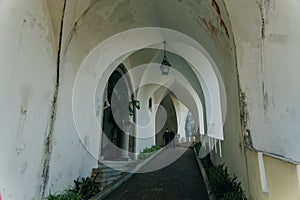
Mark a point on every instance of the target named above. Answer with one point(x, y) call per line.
point(115, 142)
point(171, 121)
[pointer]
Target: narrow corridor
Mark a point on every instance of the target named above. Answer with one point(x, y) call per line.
point(180, 180)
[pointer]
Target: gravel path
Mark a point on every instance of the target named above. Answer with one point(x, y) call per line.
point(179, 180)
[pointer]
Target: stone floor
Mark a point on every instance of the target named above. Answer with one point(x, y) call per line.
point(181, 179)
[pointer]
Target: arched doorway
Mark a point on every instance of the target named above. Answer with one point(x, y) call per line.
point(116, 143)
point(171, 120)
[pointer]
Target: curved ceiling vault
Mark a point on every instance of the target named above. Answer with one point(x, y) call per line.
point(205, 22)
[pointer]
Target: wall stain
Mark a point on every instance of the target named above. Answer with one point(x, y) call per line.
point(207, 25)
point(244, 118)
point(262, 33)
point(263, 20)
point(23, 167)
point(211, 28)
point(265, 98)
point(48, 143)
point(23, 113)
point(26, 94)
point(75, 26)
point(278, 39)
point(266, 8)
point(216, 6)
point(18, 50)
point(222, 23)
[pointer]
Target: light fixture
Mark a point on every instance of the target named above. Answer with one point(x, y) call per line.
point(165, 65)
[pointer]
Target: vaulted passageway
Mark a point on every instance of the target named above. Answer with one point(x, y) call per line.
point(57, 56)
point(93, 39)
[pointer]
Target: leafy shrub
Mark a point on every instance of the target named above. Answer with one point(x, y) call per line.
point(151, 149)
point(146, 152)
point(234, 196)
point(69, 195)
point(84, 188)
point(224, 186)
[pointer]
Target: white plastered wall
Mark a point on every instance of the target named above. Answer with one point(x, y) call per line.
point(267, 61)
point(27, 81)
point(267, 49)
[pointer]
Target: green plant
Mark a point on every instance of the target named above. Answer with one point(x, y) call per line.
point(234, 196)
point(146, 151)
point(151, 149)
point(132, 104)
point(224, 186)
point(155, 148)
point(68, 195)
point(84, 188)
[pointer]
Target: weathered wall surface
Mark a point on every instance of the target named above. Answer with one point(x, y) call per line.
point(33, 149)
point(267, 61)
point(267, 49)
point(27, 84)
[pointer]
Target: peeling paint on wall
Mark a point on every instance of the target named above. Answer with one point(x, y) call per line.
point(244, 117)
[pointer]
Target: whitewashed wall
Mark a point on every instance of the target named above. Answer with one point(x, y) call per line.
point(268, 63)
point(27, 82)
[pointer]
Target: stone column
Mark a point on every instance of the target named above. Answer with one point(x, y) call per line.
point(125, 140)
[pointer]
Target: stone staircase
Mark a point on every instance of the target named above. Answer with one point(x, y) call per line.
point(109, 172)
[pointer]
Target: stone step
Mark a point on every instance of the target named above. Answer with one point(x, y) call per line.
point(102, 170)
point(106, 176)
point(109, 179)
point(107, 173)
point(119, 165)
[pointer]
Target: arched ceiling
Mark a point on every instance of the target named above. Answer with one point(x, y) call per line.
point(90, 22)
point(86, 27)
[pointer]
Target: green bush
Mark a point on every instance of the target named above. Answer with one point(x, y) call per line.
point(69, 195)
point(84, 188)
point(151, 149)
point(234, 196)
point(224, 186)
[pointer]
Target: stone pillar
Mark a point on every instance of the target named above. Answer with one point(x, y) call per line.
point(125, 140)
